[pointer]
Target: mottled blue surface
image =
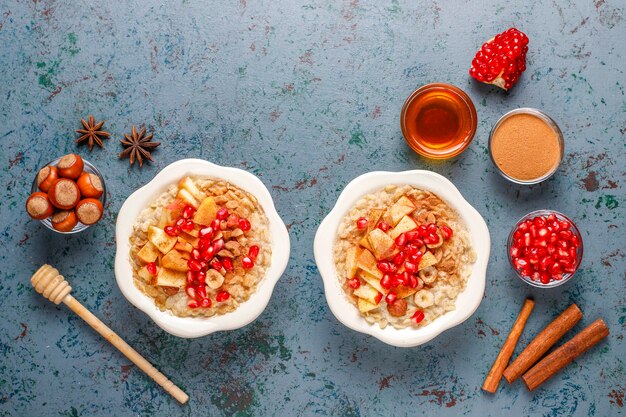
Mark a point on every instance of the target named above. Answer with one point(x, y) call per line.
point(307, 95)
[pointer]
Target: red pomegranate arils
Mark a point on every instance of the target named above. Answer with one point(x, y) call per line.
point(218, 245)
point(222, 296)
point(384, 226)
point(191, 277)
point(253, 252)
point(195, 254)
point(152, 268)
point(200, 292)
point(206, 232)
point(501, 60)
point(194, 265)
point(191, 292)
point(446, 232)
point(401, 239)
point(391, 297)
point(386, 281)
point(246, 262)
point(216, 264)
point(354, 283)
point(170, 231)
point(418, 316)
point(192, 304)
point(227, 264)
point(188, 211)
point(361, 223)
point(205, 303)
point(222, 213)
point(216, 224)
point(244, 224)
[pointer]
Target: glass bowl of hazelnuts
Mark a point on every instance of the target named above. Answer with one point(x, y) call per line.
point(68, 195)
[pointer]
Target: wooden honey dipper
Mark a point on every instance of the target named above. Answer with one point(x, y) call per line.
point(48, 282)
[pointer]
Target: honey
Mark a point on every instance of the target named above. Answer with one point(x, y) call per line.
point(438, 121)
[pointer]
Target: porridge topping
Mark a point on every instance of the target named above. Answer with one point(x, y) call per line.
point(403, 256)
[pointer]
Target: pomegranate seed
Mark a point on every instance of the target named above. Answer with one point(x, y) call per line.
point(557, 277)
point(216, 224)
point(354, 283)
point(572, 253)
point(191, 292)
point(253, 252)
point(551, 249)
point(575, 241)
point(208, 253)
point(361, 223)
point(447, 232)
point(244, 224)
point(188, 211)
point(384, 267)
point(179, 223)
point(517, 234)
point(216, 264)
point(386, 281)
point(564, 225)
point(378, 297)
point(523, 227)
point(431, 228)
point(170, 231)
point(402, 279)
point(152, 268)
point(543, 232)
point(520, 263)
point(222, 213)
point(201, 277)
point(412, 235)
point(544, 277)
point(391, 297)
point(206, 232)
point(401, 239)
point(554, 268)
point(541, 243)
point(195, 254)
point(384, 226)
point(527, 241)
point(200, 291)
point(570, 269)
point(192, 304)
point(553, 237)
point(421, 230)
point(410, 266)
point(539, 221)
point(399, 258)
point(194, 265)
point(565, 234)
point(188, 226)
point(413, 281)
point(418, 316)
point(222, 296)
point(515, 251)
point(545, 262)
point(191, 277)
point(247, 263)
point(551, 218)
point(205, 303)
point(218, 245)
point(411, 249)
point(227, 264)
point(555, 226)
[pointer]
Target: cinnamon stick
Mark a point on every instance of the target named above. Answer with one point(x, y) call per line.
point(565, 354)
point(495, 374)
point(542, 342)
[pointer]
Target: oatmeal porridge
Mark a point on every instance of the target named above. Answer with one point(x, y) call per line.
point(403, 256)
point(201, 248)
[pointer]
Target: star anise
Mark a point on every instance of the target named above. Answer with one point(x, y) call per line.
point(91, 133)
point(138, 145)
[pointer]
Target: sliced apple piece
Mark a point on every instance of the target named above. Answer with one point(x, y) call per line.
point(161, 240)
point(188, 184)
point(402, 207)
point(367, 262)
point(170, 278)
point(148, 253)
point(372, 280)
point(206, 212)
point(183, 246)
point(373, 217)
point(187, 198)
point(145, 275)
point(382, 245)
point(365, 306)
point(365, 243)
point(406, 224)
point(368, 293)
point(174, 260)
point(351, 257)
point(427, 260)
point(192, 240)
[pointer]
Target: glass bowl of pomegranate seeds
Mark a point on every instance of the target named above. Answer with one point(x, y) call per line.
point(545, 248)
point(68, 195)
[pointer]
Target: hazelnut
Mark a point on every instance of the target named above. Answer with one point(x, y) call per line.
point(397, 308)
point(89, 211)
point(89, 185)
point(46, 176)
point(70, 166)
point(64, 221)
point(64, 194)
point(38, 206)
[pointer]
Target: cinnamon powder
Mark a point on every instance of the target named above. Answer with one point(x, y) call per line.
point(525, 147)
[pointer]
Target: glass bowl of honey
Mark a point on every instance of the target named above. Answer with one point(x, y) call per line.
point(438, 121)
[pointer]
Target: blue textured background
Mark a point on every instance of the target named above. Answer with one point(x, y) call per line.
point(306, 95)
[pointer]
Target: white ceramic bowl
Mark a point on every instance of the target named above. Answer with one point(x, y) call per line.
point(193, 326)
point(346, 312)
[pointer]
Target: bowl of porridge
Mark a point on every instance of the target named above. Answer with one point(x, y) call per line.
point(200, 248)
point(403, 256)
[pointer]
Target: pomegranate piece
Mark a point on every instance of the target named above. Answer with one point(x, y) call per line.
point(216, 264)
point(246, 262)
point(418, 316)
point(361, 223)
point(205, 303)
point(191, 277)
point(385, 267)
point(386, 282)
point(227, 264)
point(354, 283)
point(188, 211)
point(391, 297)
point(193, 304)
point(152, 268)
point(206, 232)
point(501, 60)
point(171, 231)
point(253, 252)
point(378, 297)
point(446, 232)
point(244, 224)
point(384, 226)
point(215, 224)
point(194, 265)
point(222, 296)
point(222, 213)
point(401, 239)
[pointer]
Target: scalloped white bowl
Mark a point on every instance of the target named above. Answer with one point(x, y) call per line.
point(194, 326)
point(346, 312)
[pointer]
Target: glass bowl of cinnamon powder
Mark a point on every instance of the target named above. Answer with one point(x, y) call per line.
point(526, 146)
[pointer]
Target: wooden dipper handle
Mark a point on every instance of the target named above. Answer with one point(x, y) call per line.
point(48, 282)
